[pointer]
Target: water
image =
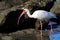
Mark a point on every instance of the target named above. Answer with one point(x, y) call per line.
point(56, 32)
point(55, 36)
point(54, 26)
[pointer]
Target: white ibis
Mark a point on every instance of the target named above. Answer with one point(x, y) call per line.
point(40, 15)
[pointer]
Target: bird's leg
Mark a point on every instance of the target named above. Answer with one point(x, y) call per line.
point(41, 29)
point(51, 30)
point(40, 35)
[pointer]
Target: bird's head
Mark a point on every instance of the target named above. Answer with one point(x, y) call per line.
point(23, 12)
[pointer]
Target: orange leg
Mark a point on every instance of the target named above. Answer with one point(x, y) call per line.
point(40, 35)
point(51, 30)
point(41, 29)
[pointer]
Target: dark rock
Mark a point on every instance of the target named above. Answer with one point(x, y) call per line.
point(10, 24)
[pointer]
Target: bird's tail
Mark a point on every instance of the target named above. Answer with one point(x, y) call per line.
point(57, 20)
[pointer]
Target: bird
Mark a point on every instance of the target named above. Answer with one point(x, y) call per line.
point(41, 15)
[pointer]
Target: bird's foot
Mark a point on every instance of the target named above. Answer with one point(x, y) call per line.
point(51, 31)
point(39, 35)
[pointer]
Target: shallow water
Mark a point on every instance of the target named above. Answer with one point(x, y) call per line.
point(55, 35)
point(56, 32)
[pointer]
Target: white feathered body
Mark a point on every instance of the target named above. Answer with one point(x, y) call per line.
point(41, 14)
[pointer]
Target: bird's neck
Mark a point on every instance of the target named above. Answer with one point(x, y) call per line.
point(28, 13)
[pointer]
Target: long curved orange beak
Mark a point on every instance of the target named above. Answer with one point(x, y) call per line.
point(24, 12)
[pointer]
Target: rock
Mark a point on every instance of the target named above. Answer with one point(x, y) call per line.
point(56, 8)
point(3, 5)
point(4, 13)
point(7, 38)
point(18, 33)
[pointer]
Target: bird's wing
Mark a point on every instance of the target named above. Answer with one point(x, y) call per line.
point(39, 14)
point(52, 15)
